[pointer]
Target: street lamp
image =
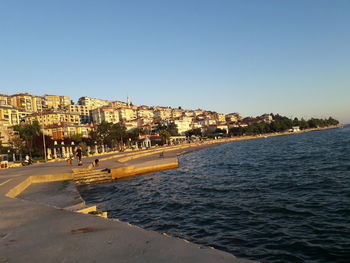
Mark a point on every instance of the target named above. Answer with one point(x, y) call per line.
point(63, 152)
point(96, 150)
point(54, 149)
point(44, 143)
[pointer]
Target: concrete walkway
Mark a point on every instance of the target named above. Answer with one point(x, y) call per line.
point(41, 231)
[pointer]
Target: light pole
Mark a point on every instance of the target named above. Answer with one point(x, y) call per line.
point(54, 149)
point(44, 143)
point(63, 152)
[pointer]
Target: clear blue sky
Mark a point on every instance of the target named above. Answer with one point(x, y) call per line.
point(254, 57)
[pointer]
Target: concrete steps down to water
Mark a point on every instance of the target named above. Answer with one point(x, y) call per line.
point(35, 231)
point(85, 176)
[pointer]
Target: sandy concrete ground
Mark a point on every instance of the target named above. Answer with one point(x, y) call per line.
point(39, 230)
point(62, 194)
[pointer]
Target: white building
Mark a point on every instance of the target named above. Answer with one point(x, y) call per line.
point(107, 114)
point(83, 111)
point(93, 103)
point(183, 125)
point(144, 113)
point(127, 113)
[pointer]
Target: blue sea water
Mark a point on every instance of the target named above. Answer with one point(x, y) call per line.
point(277, 199)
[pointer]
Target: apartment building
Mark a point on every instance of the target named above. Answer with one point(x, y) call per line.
point(5, 100)
point(162, 113)
point(107, 114)
point(130, 125)
point(93, 103)
point(183, 124)
point(189, 113)
point(52, 117)
point(64, 130)
point(83, 111)
point(117, 104)
point(27, 102)
point(144, 121)
point(12, 115)
point(127, 113)
point(176, 113)
point(144, 113)
point(233, 117)
point(219, 117)
point(57, 101)
point(198, 112)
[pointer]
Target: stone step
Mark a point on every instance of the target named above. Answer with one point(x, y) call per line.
point(85, 182)
point(92, 178)
point(90, 175)
point(88, 172)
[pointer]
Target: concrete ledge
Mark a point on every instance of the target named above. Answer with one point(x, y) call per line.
point(15, 191)
point(37, 233)
point(128, 171)
point(63, 236)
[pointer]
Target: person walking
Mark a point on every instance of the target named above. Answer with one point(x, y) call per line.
point(79, 155)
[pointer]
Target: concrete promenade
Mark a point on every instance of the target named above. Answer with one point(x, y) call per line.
point(45, 228)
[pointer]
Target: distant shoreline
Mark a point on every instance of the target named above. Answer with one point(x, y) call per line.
point(213, 143)
point(248, 137)
point(216, 142)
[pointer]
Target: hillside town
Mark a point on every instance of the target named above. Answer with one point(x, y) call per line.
point(59, 117)
point(53, 126)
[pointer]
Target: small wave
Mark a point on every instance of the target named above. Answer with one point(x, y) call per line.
point(281, 200)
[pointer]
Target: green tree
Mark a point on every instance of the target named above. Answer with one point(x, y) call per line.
point(165, 135)
point(220, 131)
point(28, 133)
point(296, 122)
point(77, 138)
point(303, 124)
point(172, 129)
point(134, 134)
point(195, 132)
point(117, 134)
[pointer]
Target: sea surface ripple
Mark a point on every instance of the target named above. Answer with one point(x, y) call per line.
point(277, 199)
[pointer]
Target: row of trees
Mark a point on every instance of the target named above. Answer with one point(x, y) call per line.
point(112, 135)
point(115, 135)
point(29, 139)
point(281, 124)
point(165, 131)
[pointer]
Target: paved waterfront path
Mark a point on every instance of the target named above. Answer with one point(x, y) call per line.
point(35, 231)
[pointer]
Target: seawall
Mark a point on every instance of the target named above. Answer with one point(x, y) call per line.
point(43, 233)
point(35, 232)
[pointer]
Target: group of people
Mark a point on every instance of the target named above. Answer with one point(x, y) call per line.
point(27, 160)
point(79, 154)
